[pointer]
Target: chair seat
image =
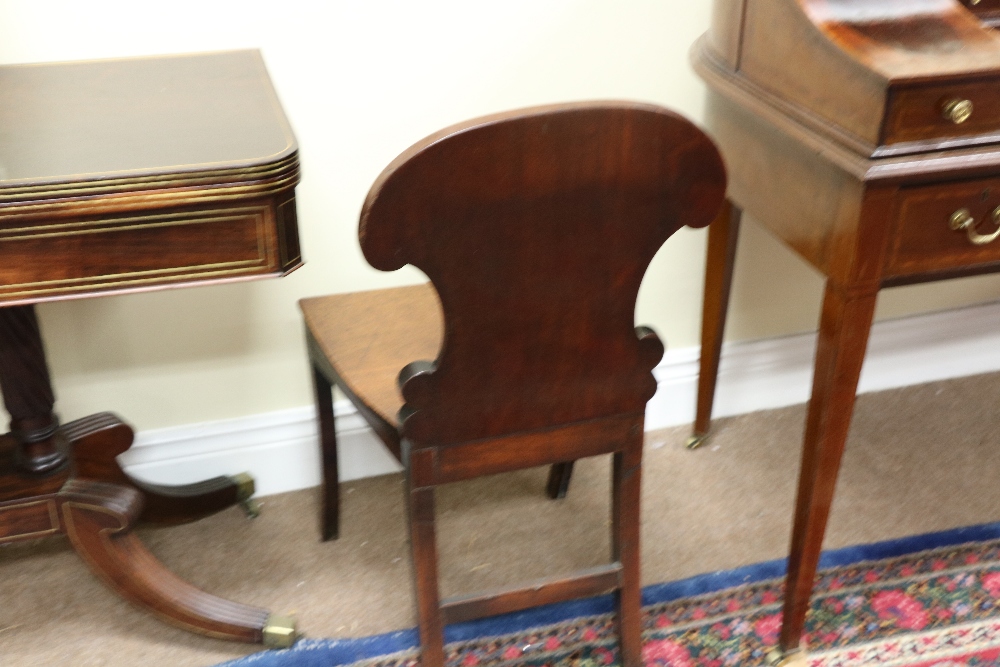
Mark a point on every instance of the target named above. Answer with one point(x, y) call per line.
point(367, 337)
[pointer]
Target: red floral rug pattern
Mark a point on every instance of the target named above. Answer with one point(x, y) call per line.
point(939, 608)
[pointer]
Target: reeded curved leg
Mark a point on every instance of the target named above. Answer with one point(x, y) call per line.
point(723, 234)
point(98, 518)
point(99, 438)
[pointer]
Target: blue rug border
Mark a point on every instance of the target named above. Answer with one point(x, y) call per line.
point(336, 652)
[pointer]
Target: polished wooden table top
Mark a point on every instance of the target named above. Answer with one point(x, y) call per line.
point(124, 175)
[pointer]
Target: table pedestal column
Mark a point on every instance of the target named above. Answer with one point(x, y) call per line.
point(27, 392)
point(96, 504)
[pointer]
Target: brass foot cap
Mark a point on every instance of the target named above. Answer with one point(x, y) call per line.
point(695, 441)
point(279, 631)
point(245, 489)
point(245, 486)
point(778, 659)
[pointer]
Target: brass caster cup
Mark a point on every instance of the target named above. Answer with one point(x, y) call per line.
point(778, 659)
point(280, 631)
point(695, 441)
point(245, 488)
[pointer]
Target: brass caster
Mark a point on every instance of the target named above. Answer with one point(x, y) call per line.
point(695, 441)
point(245, 488)
point(777, 658)
point(251, 508)
point(280, 631)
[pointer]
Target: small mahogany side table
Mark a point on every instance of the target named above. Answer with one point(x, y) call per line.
point(124, 176)
point(864, 134)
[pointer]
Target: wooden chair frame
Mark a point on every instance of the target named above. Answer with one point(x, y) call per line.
point(535, 228)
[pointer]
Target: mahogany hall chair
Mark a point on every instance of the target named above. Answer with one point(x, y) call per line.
point(535, 228)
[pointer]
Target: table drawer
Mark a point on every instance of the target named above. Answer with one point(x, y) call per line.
point(121, 252)
point(942, 110)
point(927, 239)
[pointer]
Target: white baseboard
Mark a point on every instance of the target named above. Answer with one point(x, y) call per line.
point(280, 448)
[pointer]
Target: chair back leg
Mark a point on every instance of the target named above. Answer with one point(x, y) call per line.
point(425, 574)
point(626, 486)
point(625, 490)
point(330, 484)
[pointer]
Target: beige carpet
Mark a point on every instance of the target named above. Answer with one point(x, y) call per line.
point(919, 459)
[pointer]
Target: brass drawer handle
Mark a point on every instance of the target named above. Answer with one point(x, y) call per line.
point(962, 219)
point(956, 110)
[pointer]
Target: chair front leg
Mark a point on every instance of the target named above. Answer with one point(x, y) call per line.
point(330, 485)
point(559, 476)
point(425, 574)
point(626, 481)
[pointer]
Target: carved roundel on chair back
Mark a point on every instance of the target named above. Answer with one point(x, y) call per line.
point(536, 228)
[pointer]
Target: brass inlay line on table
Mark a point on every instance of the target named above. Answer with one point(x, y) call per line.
point(182, 179)
point(109, 226)
point(176, 197)
point(53, 517)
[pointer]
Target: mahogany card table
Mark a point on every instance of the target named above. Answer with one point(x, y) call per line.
point(122, 176)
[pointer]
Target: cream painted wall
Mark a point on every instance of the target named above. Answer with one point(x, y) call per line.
point(360, 81)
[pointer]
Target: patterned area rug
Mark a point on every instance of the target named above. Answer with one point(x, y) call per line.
point(932, 600)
